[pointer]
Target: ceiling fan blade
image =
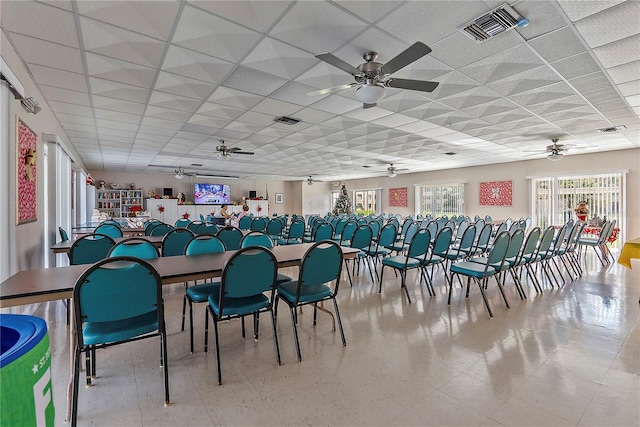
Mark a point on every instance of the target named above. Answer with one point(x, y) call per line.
point(250, 153)
point(331, 59)
point(421, 85)
point(406, 57)
point(369, 105)
point(331, 89)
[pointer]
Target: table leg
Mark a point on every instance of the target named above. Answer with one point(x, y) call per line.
point(333, 319)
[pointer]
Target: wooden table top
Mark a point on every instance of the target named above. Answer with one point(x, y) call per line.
point(49, 284)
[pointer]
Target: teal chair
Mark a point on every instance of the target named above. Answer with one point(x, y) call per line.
point(231, 237)
point(117, 300)
point(525, 257)
point(258, 238)
point(361, 239)
point(320, 268)
point(63, 234)
point(194, 225)
point(324, 231)
point(380, 247)
point(198, 245)
point(90, 249)
point(175, 241)
point(259, 224)
point(402, 245)
point(480, 273)
point(134, 247)
point(207, 228)
point(110, 230)
point(150, 225)
point(274, 228)
point(160, 229)
point(182, 223)
point(245, 223)
point(415, 256)
point(242, 293)
point(294, 234)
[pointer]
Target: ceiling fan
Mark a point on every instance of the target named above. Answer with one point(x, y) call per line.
point(555, 151)
point(225, 152)
point(311, 180)
point(392, 171)
point(372, 78)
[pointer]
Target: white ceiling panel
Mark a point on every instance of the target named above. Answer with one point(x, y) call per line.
point(136, 83)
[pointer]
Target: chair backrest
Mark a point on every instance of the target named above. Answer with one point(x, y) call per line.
point(90, 248)
point(546, 241)
point(467, 240)
point(419, 245)
point(462, 227)
point(484, 237)
point(339, 226)
point(260, 224)
point(362, 237)
point(559, 240)
point(405, 225)
point(193, 225)
point(530, 243)
point(63, 234)
point(256, 238)
point(110, 230)
point(517, 237)
point(161, 229)
point(324, 231)
point(501, 228)
point(201, 218)
point(150, 225)
point(348, 230)
point(239, 278)
point(514, 226)
point(204, 244)
point(488, 218)
point(207, 228)
point(245, 223)
point(296, 230)
point(387, 236)
point(231, 237)
point(134, 247)
point(118, 289)
point(175, 241)
point(432, 226)
point(321, 264)
point(112, 222)
point(411, 231)
point(182, 223)
point(442, 242)
point(375, 227)
point(499, 249)
point(451, 224)
point(274, 227)
point(572, 244)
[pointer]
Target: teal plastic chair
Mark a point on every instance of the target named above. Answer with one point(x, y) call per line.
point(402, 245)
point(294, 235)
point(150, 225)
point(242, 293)
point(361, 239)
point(415, 256)
point(110, 230)
point(194, 225)
point(259, 224)
point(160, 229)
point(480, 273)
point(207, 228)
point(526, 256)
point(175, 241)
point(182, 223)
point(134, 247)
point(117, 300)
point(63, 234)
point(320, 269)
point(90, 249)
point(231, 237)
point(274, 228)
point(380, 247)
point(198, 245)
point(245, 223)
point(258, 238)
point(324, 231)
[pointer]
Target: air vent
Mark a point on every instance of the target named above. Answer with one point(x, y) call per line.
point(286, 120)
point(612, 129)
point(493, 23)
point(197, 165)
point(450, 153)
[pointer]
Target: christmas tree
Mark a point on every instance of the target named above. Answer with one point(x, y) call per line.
point(343, 204)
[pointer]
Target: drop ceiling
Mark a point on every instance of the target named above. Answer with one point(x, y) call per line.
point(142, 84)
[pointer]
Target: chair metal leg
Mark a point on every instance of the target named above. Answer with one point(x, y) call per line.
point(380, 284)
point(484, 297)
point(76, 380)
point(335, 308)
point(292, 309)
point(275, 337)
point(403, 273)
point(504, 297)
point(215, 331)
point(165, 364)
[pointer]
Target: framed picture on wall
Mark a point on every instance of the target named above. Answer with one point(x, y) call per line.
point(26, 169)
point(279, 197)
point(496, 193)
point(398, 197)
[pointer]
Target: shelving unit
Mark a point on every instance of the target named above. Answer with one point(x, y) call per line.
point(118, 203)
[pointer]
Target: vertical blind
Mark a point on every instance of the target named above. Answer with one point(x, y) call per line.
point(439, 200)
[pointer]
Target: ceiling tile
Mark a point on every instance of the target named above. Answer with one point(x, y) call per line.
point(577, 10)
point(59, 78)
point(47, 53)
point(117, 90)
point(43, 22)
point(611, 24)
point(280, 59)
point(253, 81)
point(196, 65)
point(619, 52)
point(260, 15)
point(557, 44)
point(120, 71)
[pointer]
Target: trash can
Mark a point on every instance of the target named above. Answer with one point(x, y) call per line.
point(26, 397)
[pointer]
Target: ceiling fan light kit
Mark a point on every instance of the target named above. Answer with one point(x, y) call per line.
point(554, 157)
point(179, 173)
point(370, 93)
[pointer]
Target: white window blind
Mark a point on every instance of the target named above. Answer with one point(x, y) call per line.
point(441, 199)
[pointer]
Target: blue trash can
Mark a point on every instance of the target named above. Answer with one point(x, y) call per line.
point(26, 396)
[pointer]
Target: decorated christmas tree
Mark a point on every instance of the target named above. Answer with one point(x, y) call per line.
point(343, 204)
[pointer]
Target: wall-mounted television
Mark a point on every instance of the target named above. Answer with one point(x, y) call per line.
point(212, 194)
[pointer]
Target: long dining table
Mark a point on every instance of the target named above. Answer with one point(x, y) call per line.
point(51, 284)
point(64, 247)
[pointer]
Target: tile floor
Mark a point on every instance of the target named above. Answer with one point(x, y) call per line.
point(567, 357)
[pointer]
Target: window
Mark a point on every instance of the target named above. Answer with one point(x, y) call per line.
point(439, 200)
point(555, 198)
point(365, 201)
point(335, 195)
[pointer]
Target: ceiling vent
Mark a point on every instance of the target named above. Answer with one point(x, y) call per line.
point(491, 24)
point(450, 153)
point(286, 120)
point(612, 129)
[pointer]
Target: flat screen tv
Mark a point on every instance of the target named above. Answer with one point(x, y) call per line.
point(212, 194)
